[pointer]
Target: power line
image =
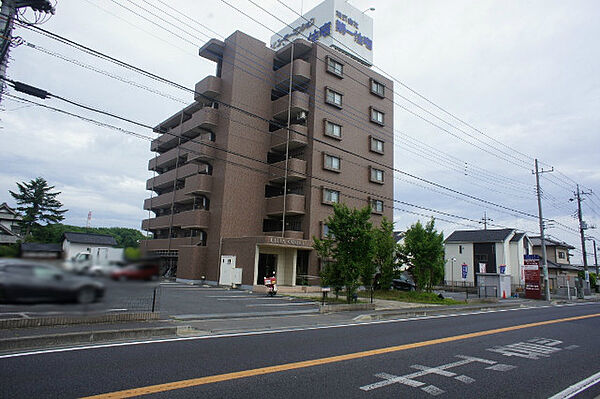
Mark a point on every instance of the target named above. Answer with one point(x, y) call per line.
point(174, 84)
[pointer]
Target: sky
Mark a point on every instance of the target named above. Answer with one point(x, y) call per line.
point(480, 90)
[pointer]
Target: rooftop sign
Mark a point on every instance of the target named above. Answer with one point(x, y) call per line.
point(335, 23)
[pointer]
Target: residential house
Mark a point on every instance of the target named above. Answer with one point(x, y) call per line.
point(487, 251)
point(80, 242)
point(10, 231)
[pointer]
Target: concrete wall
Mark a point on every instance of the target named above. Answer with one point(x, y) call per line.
point(451, 250)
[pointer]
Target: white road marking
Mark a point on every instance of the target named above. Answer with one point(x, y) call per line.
point(465, 379)
point(501, 367)
point(525, 350)
point(433, 390)
point(578, 387)
point(266, 332)
point(409, 379)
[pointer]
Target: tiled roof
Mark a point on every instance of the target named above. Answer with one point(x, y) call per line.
point(480, 235)
point(85, 238)
point(537, 242)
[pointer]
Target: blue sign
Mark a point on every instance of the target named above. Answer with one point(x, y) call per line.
point(502, 269)
point(323, 31)
point(465, 271)
point(532, 257)
point(340, 26)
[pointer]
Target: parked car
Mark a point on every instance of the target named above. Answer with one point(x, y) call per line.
point(136, 271)
point(105, 270)
point(404, 283)
point(39, 282)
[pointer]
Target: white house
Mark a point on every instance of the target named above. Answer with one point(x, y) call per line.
point(9, 224)
point(80, 242)
point(485, 251)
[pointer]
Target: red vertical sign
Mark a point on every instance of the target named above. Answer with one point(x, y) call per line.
point(533, 290)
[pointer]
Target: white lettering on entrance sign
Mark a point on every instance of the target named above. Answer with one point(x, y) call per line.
point(286, 241)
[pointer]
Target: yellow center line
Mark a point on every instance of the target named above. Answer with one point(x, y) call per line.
point(128, 393)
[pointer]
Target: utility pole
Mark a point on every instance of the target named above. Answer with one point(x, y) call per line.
point(541, 220)
point(582, 228)
point(596, 262)
point(8, 13)
point(485, 220)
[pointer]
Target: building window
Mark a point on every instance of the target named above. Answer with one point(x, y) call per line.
point(335, 67)
point(377, 88)
point(331, 162)
point(377, 116)
point(460, 249)
point(331, 196)
point(333, 97)
point(561, 255)
point(376, 206)
point(333, 130)
point(376, 145)
point(377, 175)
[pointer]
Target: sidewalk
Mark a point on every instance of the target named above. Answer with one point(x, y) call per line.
point(17, 339)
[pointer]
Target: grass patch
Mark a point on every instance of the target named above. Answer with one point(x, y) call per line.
point(329, 301)
point(410, 296)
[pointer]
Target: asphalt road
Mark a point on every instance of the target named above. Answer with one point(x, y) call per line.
point(462, 356)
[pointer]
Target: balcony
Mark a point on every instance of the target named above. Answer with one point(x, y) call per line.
point(298, 138)
point(195, 150)
point(294, 205)
point(298, 235)
point(163, 243)
point(198, 184)
point(164, 200)
point(296, 170)
point(198, 219)
point(202, 120)
point(166, 179)
point(300, 102)
point(166, 141)
point(202, 152)
point(300, 76)
point(209, 87)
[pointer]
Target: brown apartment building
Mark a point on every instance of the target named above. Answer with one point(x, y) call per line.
point(224, 185)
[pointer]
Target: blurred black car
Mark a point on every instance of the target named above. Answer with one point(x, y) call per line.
point(38, 282)
point(404, 283)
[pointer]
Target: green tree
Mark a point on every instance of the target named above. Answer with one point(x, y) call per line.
point(38, 204)
point(423, 251)
point(348, 247)
point(385, 252)
point(53, 233)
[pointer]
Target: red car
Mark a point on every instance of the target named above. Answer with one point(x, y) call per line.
point(136, 271)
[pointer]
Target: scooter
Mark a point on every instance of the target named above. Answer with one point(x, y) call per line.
point(271, 284)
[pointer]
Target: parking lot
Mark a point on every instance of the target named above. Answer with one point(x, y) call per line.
point(169, 298)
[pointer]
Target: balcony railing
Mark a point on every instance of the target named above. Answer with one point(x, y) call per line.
point(296, 170)
point(298, 138)
point(294, 205)
point(300, 103)
point(210, 87)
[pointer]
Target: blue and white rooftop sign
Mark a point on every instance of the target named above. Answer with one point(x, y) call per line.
point(334, 23)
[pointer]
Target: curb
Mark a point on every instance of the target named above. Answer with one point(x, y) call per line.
point(11, 344)
point(220, 316)
point(415, 312)
point(346, 307)
point(81, 319)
